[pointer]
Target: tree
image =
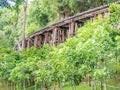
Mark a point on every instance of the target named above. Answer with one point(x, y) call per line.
point(24, 23)
point(4, 3)
point(66, 8)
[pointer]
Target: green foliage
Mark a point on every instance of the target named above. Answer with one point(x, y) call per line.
point(91, 52)
point(115, 16)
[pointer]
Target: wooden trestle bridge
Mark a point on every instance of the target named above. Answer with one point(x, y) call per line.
point(60, 31)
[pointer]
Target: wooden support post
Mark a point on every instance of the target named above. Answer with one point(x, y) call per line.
point(21, 44)
point(50, 38)
point(35, 41)
point(106, 14)
point(42, 39)
point(71, 29)
point(32, 41)
point(28, 43)
point(54, 36)
point(66, 34)
point(76, 28)
point(58, 36)
point(91, 19)
point(63, 36)
point(25, 43)
point(46, 38)
point(39, 41)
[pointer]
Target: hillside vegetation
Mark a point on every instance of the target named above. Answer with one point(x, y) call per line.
point(92, 56)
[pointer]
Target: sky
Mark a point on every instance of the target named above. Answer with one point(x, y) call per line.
point(12, 3)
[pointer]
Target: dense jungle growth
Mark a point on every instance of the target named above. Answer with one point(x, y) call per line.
point(92, 56)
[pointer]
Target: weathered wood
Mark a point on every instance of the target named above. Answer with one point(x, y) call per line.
point(31, 41)
point(63, 36)
point(76, 28)
point(54, 36)
point(58, 36)
point(42, 39)
point(39, 41)
point(46, 38)
point(23, 44)
point(28, 43)
point(35, 41)
point(50, 37)
point(71, 29)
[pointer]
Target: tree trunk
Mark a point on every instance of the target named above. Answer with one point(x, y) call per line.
point(24, 86)
point(89, 80)
point(14, 86)
point(105, 86)
point(54, 87)
point(24, 24)
point(11, 86)
point(73, 86)
point(93, 84)
point(45, 86)
point(59, 86)
point(101, 86)
point(35, 86)
point(7, 85)
point(15, 33)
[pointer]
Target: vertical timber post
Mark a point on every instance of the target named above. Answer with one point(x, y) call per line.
point(35, 41)
point(23, 44)
point(46, 38)
point(58, 35)
point(28, 43)
point(71, 29)
point(39, 40)
point(63, 36)
point(54, 36)
point(76, 28)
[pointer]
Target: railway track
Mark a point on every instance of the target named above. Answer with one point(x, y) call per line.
point(60, 31)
